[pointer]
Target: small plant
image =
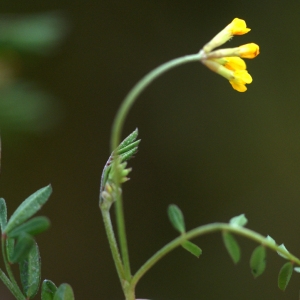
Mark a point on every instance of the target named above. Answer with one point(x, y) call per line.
point(18, 233)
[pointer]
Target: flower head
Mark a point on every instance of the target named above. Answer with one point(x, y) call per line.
point(228, 62)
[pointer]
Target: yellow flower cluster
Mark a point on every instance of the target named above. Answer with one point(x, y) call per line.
point(228, 62)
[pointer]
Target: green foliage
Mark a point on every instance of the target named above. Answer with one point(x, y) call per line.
point(30, 272)
point(232, 246)
point(48, 290)
point(22, 248)
point(64, 292)
point(258, 261)
point(176, 218)
point(28, 208)
point(33, 227)
point(285, 275)
point(192, 248)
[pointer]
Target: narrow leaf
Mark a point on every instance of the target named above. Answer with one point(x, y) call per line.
point(231, 246)
point(29, 207)
point(64, 292)
point(129, 147)
point(30, 272)
point(129, 139)
point(240, 220)
point(191, 247)
point(3, 214)
point(48, 290)
point(23, 246)
point(176, 218)
point(282, 247)
point(285, 275)
point(32, 227)
point(258, 261)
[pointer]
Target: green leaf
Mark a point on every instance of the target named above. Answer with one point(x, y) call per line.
point(48, 290)
point(258, 261)
point(191, 247)
point(28, 208)
point(10, 247)
point(240, 220)
point(32, 227)
point(282, 247)
point(30, 272)
point(128, 140)
point(3, 214)
point(232, 246)
point(176, 218)
point(23, 246)
point(37, 33)
point(64, 292)
point(285, 275)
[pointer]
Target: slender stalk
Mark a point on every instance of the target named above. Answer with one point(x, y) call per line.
point(11, 284)
point(113, 244)
point(116, 138)
point(205, 229)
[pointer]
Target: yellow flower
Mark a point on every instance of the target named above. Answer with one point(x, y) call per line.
point(234, 72)
point(250, 50)
point(236, 27)
point(241, 77)
point(232, 63)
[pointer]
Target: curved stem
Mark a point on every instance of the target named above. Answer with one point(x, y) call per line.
point(116, 136)
point(205, 229)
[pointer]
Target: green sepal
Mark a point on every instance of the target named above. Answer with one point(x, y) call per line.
point(176, 218)
point(22, 248)
point(240, 220)
point(3, 214)
point(285, 275)
point(30, 272)
point(32, 227)
point(48, 290)
point(64, 292)
point(192, 248)
point(28, 208)
point(10, 247)
point(232, 246)
point(258, 261)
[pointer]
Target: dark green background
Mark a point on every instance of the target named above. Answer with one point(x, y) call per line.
point(211, 150)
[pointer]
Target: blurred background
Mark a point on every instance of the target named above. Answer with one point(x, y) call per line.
point(216, 153)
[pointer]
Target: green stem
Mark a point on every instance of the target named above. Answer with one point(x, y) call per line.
point(113, 244)
point(116, 139)
point(205, 229)
point(11, 284)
